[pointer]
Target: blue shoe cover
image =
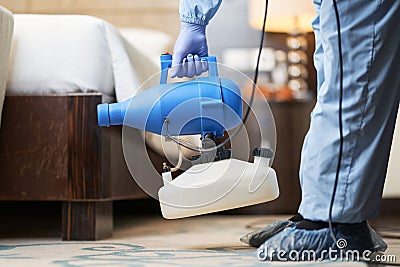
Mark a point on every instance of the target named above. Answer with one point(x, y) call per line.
point(294, 244)
point(359, 237)
point(258, 237)
point(378, 244)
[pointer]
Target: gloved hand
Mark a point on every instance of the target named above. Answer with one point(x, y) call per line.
point(191, 41)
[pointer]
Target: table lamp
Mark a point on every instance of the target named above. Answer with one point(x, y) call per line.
point(294, 18)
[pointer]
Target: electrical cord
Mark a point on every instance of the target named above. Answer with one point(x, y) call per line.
point(255, 79)
point(340, 120)
point(180, 160)
point(253, 89)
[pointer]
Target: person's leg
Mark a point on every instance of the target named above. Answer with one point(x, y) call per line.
point(371, 39)
point(371, 43)
point(319, 49)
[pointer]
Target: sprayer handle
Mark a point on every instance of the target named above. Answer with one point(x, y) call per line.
point(166, 63)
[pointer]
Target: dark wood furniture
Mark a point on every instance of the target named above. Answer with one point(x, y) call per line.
point(51, 149)
point(292, 120)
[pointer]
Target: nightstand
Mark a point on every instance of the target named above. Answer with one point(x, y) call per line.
point(292, 119)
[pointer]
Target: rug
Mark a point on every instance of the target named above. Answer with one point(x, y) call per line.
point(151, 241)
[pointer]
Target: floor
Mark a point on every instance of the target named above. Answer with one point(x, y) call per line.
point(149, 240)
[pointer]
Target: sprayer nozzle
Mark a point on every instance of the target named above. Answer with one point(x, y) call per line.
point(103, 116)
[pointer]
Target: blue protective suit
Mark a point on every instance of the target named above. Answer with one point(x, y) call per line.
point(371, 59)
point(198, 11)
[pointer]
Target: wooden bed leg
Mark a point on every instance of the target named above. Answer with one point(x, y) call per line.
point(87, 220)
point(87, 213)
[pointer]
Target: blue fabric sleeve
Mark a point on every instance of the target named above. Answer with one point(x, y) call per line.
point(198, 11)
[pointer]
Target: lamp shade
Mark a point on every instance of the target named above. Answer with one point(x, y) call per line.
point(283, 15)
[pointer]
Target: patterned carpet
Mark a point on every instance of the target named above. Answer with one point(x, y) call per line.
point(150, 241)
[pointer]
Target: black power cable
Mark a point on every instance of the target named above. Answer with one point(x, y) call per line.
point(340, 119)
point(260, 48)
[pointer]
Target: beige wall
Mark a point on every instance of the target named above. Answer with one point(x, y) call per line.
point(155, 14)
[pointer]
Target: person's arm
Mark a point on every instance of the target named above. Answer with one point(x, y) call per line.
point(198, 11)
point(192, 42)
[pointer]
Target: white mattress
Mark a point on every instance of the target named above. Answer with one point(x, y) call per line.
point(60, 54)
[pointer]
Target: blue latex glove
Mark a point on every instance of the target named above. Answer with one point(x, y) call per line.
point(191, 41)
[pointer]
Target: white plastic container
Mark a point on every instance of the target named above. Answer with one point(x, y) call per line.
point(218, 186)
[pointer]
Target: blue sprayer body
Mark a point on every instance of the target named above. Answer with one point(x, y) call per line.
point(204, 105)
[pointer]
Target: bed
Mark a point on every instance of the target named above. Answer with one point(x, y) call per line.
point(51, 149)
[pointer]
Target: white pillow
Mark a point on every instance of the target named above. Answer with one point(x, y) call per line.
point(152, 43)
point(60, 54)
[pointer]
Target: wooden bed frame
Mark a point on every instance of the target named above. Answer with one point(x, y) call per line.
point(51, 149)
